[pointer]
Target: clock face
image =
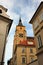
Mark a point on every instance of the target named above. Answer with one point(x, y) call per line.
point(30, 43)
point(20, 35)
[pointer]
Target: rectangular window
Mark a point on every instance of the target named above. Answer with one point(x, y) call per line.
point(31, 50)
point(32, 59)
point(23, 50)
point(41, 16)
point(39, 41)
point(23, 60)
point(36, 24)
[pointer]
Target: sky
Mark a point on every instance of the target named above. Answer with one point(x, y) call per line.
point(16, 9)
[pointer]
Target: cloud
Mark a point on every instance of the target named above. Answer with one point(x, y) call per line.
point(7, 3)
point(24, 8)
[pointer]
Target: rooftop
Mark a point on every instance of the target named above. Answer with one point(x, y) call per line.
point(20, 23)
point(26, 43)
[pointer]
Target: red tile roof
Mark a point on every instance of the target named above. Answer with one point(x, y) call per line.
point(26, 43)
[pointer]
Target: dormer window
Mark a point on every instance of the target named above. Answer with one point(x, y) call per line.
point(0, 11)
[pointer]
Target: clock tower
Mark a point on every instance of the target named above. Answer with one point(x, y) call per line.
point(20, 33)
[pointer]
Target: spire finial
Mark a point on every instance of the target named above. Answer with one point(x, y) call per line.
point(20, 22)
point(20, 19)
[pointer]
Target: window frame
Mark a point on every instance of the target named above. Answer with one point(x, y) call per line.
point(31, 50)
point(32, 59)
point(39, 41)
point(23, 60)
point(23, 50)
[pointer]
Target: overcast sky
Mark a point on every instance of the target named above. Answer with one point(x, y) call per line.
point(17, 8)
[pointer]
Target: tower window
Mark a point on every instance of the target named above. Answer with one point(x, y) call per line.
point(32, 59)
point(23, 60)
point(0, 11)
point(20, 35)
point(23, 50)
point(31, 50)
point(39, 41)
